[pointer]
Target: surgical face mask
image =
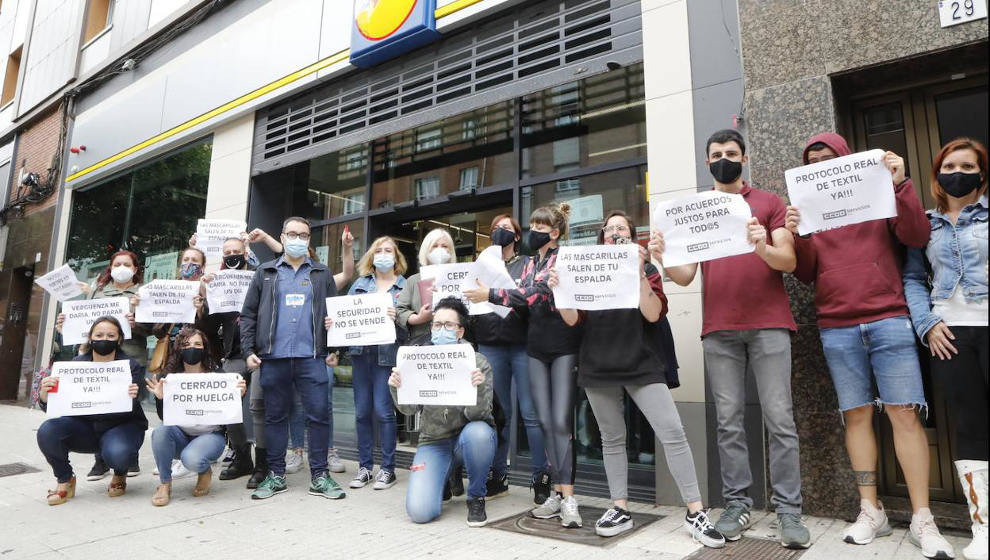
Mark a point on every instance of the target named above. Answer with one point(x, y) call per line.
point(384, 262)
point(503, 237)
point(725, 171)
point(959, 184)
point(537, 239)
point(439, 255)
point(192, 355)
point(190, 270)
point(234, 261)
point(296, 248)
point(121, 274)
point(443, 336)
point(103, 347)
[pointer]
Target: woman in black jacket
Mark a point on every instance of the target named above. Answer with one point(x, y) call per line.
point(118, 436)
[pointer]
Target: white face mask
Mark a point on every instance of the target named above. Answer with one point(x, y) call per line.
point(121, 274)
point(439, 255)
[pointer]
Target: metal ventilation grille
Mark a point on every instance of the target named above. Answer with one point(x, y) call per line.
point(543, 44)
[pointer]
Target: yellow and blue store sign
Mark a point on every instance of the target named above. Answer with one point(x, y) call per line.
point(385, 29)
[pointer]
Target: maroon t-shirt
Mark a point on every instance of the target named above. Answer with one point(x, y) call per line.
point(743, 292)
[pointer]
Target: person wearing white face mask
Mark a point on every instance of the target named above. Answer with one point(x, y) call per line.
point(413, 314)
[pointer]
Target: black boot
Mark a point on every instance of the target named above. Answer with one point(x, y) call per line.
point(260, 468)
point(457, 481)
point(242, 465)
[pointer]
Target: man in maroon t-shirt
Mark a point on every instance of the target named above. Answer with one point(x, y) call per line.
point(748, 322)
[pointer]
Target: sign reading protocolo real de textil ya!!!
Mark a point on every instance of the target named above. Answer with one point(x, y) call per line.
point(842, 191)
point(90, 388)
point(167, 301)
point(81, 314)
point(703, 226)
point(595, 277)
point(360, 320)
point(60, 283)
point(226, 292)
point(210, 235)
point(201, 399)
point(437, 375)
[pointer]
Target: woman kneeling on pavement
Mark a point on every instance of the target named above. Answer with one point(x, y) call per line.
point(447, 433)
point(195, 446)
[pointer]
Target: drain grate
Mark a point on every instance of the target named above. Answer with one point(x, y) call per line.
point(745, 548)
point(551, 529)
point(11, 469)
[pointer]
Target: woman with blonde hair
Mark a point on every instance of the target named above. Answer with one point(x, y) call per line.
point(415, 315)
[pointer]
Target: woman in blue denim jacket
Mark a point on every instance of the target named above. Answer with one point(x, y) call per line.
point(381, 270)
point(946, 289)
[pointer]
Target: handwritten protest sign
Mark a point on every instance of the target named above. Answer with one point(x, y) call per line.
point(360, 320)
point(80, 315)
point(90, 388)
point(210, 235)
point(703, 226)
point(595, 277)
point(437, 375)
point(201, 399)
point(167, 301)
point(842, 191)
point(225, 293)
point(60, 283)
point(450, 280)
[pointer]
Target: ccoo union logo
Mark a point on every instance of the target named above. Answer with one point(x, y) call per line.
point(385, 29)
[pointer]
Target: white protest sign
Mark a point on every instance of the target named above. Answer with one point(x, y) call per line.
point(167, 301)
point(60, 283)
point(437, 375)
point(703, 226)
point(210, 235)
point(842, 191)
point(81, 314)
point(595, 277)
point(450, 280)
point(201, 399)
point(360, 320)
point(225, 293)
point(90, 388)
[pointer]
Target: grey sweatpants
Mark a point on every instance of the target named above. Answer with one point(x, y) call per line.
point(657, 405)
point(729, 355)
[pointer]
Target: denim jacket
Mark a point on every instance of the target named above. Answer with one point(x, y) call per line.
point(386, 352)
point(956, 255)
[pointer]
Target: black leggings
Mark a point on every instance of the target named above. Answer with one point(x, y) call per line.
point(964, 378)
point(554, 390)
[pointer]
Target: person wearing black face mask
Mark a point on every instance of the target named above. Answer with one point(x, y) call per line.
point(946, 288)
point(119, 436)
point(195, 446)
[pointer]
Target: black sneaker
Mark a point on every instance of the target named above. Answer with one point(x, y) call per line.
point(446, 491)
point(702, 530)
point(384, 480)
point(541, 488)
point(457, 482)
point(476, 512)
point(99, 471)
point(614, 521)
point(496, 486)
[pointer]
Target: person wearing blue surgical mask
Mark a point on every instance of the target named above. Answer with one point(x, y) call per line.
point(381, 270)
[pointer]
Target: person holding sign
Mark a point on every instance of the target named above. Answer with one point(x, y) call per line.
point(414, 306)
point(381, 270)
point(946, 289)
point(552, 346)
point(746, 327)
point(195, 445)
point(607, 370)
point(283, 332)
point(465, 434)
point(867, 338)
point(117, 436)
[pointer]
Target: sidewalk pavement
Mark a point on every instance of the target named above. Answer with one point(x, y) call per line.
point(368, 523)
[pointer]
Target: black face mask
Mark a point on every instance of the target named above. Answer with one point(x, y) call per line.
point(959, 184)
point(537, 239)
point(725, 171)
point(103, 347)
point(234, 261)
point(503, 237)
point(192, 356)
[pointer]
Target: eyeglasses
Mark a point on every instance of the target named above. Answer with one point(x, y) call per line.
point(616, 229)
point(449, 325)
point(293, 235)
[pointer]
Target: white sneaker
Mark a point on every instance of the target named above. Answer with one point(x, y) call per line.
point(973, 477)
point(569, 515)
point(180, 471)
point(333, 461)
point(977, 549)
point(294, 461)
point(870, 524)
point(924, 535)
point(549, 509)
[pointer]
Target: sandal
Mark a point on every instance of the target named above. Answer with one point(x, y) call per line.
point(58, 497)
point(118, 485)
point(162, 495)
point(203, 484)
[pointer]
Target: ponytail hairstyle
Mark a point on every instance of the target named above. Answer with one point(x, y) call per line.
point(554, 215)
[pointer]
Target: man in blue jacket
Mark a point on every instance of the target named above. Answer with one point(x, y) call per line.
point(283, 333)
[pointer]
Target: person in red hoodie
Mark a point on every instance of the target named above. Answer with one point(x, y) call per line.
point(867, 337)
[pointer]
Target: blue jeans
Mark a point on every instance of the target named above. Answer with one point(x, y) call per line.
point(297, 423)
point(330, 381)
point(59, 436)
point(510, 366)
point(195, 452)
point(373, 401)
point(883, 350)
point(308, 377)
point(475, 447)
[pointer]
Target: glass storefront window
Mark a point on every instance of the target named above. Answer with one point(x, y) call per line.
point(336, 184)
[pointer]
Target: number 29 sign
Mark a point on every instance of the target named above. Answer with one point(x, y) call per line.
point(954, 12)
